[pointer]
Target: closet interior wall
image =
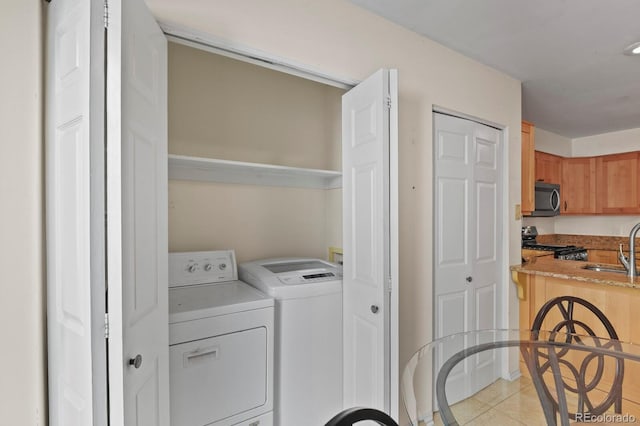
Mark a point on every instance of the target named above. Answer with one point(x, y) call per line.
point(227, 109)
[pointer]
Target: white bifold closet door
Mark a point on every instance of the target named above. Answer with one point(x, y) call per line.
point(75, 237)
point(106, 142)
point(137, 234)
point(370, 298)
point(468, 235)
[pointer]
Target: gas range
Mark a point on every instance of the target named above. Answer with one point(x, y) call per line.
point(562, 252)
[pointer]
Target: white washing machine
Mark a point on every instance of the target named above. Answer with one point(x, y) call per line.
point(308, 338)
point(220, 343)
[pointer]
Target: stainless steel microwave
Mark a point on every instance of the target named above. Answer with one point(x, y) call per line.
point(547, 199)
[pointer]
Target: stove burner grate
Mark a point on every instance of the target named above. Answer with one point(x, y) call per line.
point(562, 252)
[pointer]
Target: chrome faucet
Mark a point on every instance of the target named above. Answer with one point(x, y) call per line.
point(630, 262)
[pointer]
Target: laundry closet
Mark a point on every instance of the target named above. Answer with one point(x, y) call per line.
point(256, 160)
point(276, 190)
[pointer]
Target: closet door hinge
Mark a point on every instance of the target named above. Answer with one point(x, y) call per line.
point(389, 283)
point(106, 14)
point(388, 102)
point(106, 325)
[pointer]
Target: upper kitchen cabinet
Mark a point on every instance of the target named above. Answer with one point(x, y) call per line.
point(601, 185)
point(528, 168)
point(618, 183)
point(578, 186)
point(548, 167)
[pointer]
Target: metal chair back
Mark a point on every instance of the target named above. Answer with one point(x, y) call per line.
point(569, 383)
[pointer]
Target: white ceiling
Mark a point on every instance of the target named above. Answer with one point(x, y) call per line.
point(567, 53)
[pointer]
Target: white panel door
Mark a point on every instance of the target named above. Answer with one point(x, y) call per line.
point(137, 216)
point(467, 157)
point(453, 299)
point(368, 125)
point(485, 253)
point(74, 130)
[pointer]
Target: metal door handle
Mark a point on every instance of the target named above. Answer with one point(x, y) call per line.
point(469, 279)
point(136, 362)
point(374, 309)
point(555, 196)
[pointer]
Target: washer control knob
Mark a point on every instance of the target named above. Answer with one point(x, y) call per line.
point(222, 266)
point(208, 267)
point(192, 268)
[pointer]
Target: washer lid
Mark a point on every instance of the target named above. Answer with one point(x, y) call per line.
point(282, 291)
point(209, 300)
point(293, 277)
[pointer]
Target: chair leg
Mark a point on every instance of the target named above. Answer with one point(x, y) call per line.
point(547, 406)
point(562, 397)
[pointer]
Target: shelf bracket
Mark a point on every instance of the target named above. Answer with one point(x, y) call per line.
point(521, 284)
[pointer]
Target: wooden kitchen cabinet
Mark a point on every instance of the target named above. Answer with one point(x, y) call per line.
point(617, 303)
point(548, 167)
point(528, 168)
point(603, 256)
point(578, 186)
point(618, 183)
point(609, 256)
point(603, 185)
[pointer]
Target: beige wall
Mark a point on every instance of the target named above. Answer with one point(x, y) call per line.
point(257, 222)
point(552, 143)
point(584, 225)
point(607, 143)
point(22, 321)
point(338, 38)
point(227, 109)
point(232, 110)
point(596, 225)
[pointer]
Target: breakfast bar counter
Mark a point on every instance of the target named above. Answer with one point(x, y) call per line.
point(544, 278)
point(572, 270)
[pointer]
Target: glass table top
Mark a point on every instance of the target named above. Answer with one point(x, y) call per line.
point(502, 377)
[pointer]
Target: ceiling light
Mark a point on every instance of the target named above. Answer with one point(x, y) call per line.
point(632, 49)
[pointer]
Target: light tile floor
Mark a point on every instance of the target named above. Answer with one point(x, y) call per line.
point(502, 403)
point(508, 403)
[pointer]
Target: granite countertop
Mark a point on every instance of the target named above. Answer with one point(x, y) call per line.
point(590, 242)
point(572, 270)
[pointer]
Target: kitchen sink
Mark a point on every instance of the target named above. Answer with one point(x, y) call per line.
point(605, 268)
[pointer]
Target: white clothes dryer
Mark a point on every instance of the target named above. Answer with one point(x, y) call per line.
point(308, 337)
point(220, 343)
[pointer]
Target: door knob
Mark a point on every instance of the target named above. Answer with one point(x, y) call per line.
point(469, 279)
point(136, 362)
point(374, 309)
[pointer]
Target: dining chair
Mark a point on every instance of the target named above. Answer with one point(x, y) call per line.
point(592, 382)
point(357, 414)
